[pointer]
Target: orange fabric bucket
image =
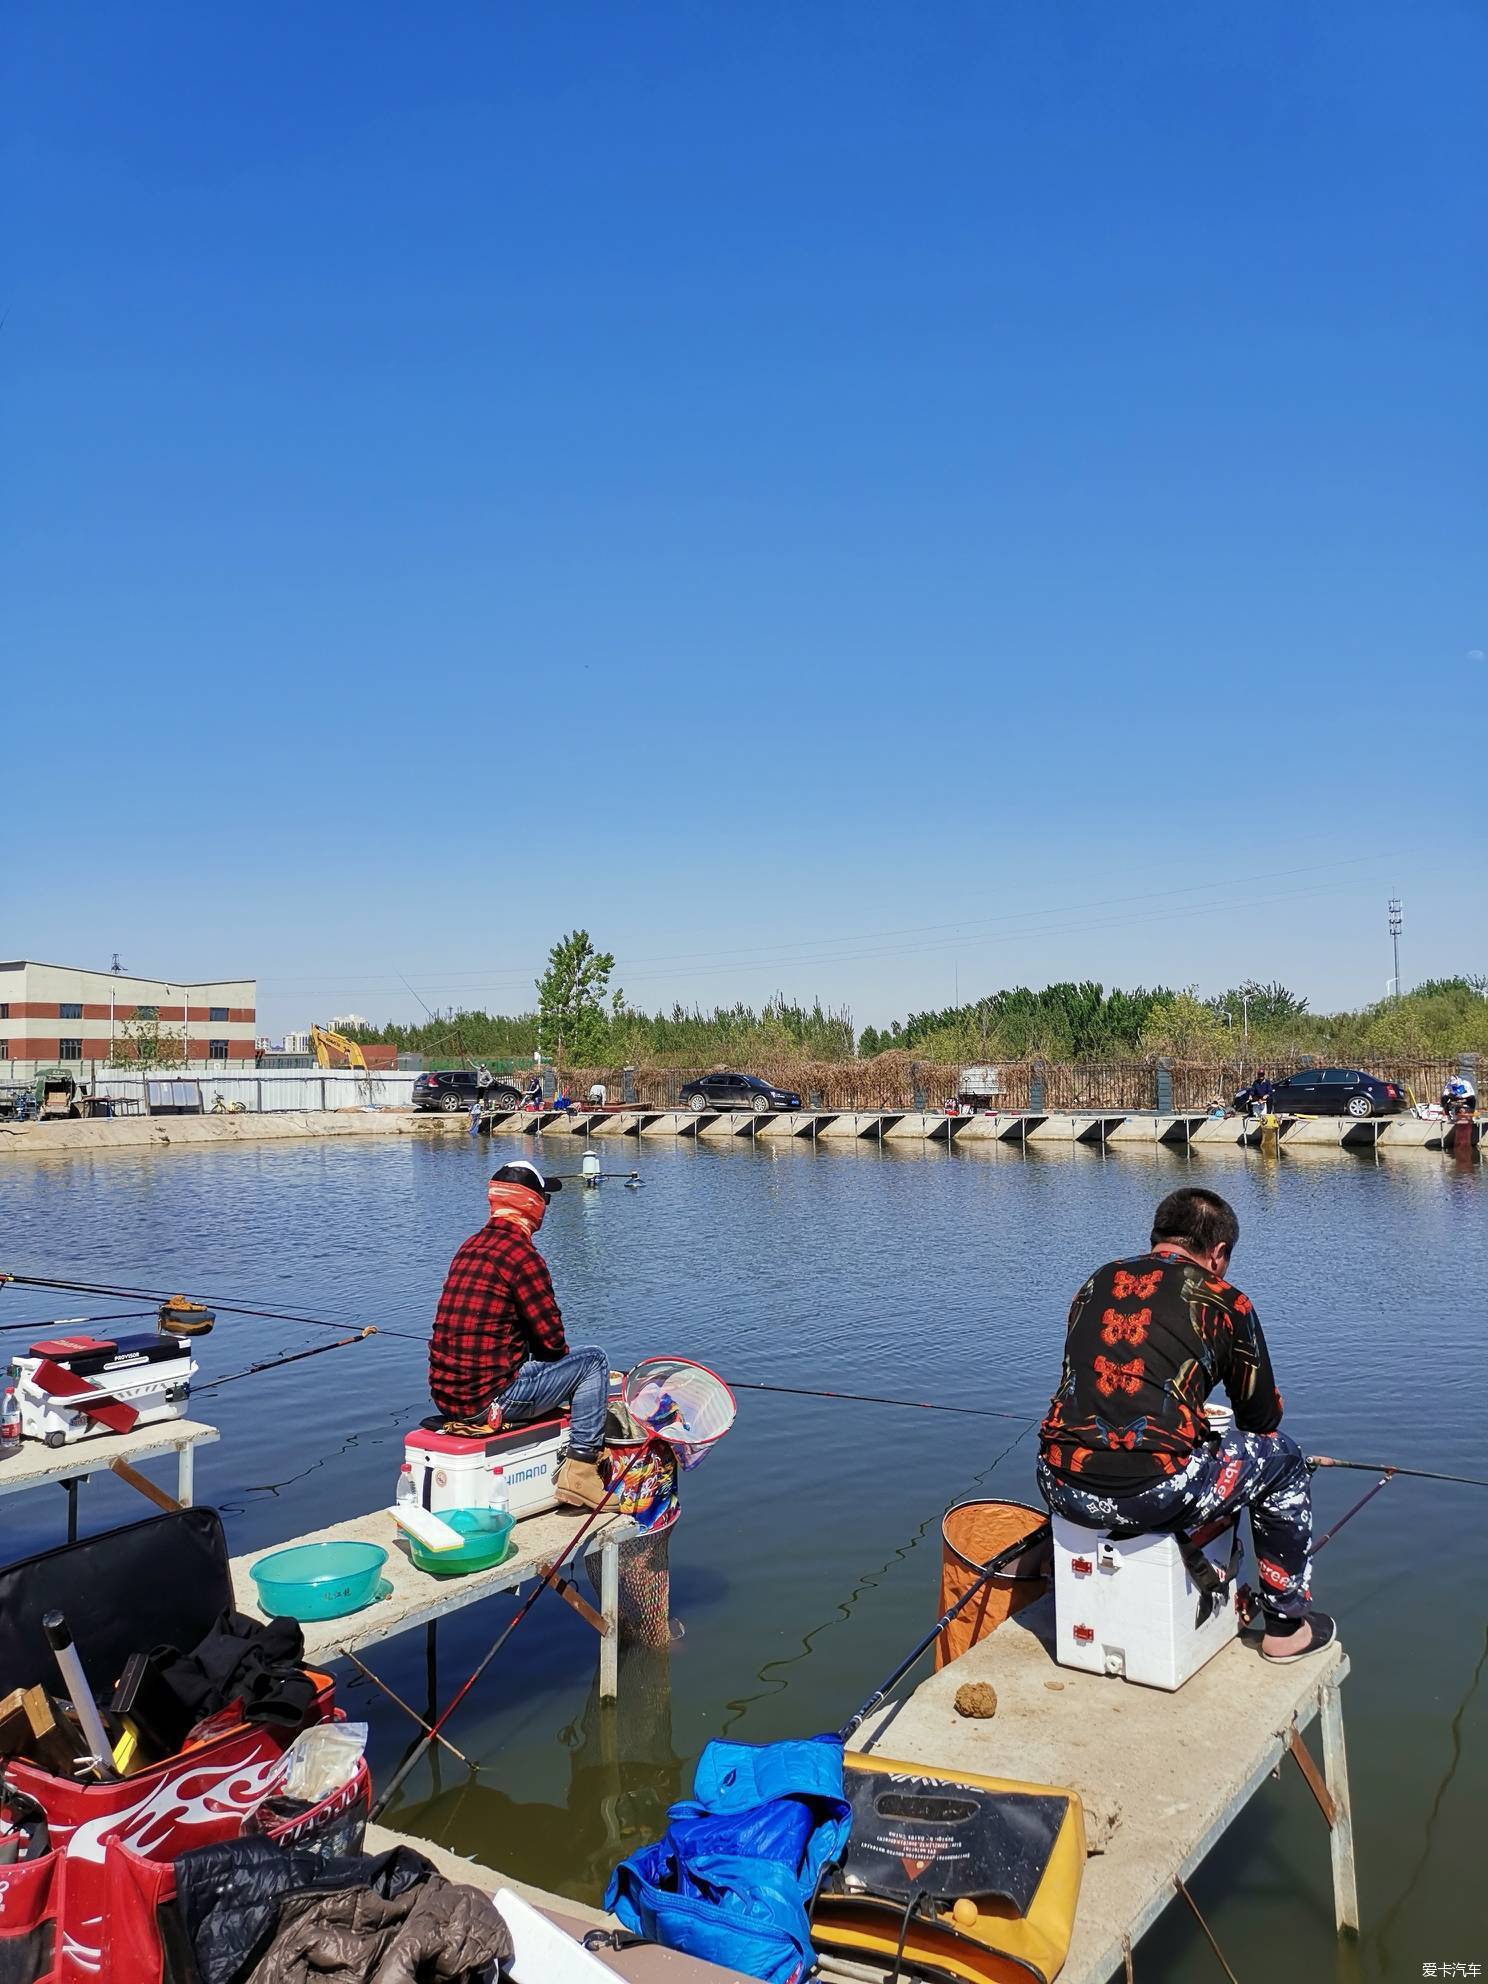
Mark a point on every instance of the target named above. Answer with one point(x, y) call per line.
point(971, 1534)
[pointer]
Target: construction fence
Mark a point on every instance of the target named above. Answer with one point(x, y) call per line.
point(892, 1081)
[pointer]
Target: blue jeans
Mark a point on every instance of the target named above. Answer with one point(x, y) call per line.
point(581, 1381)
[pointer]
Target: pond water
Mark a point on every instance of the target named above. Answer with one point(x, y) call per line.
point(807, 1560)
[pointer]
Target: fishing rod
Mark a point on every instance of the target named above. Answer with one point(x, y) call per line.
point(294, 1357)
point(873, 1398)
point(1407, 1473)
point(1032, 1541)
point(156, 1296)
point(546, 1577)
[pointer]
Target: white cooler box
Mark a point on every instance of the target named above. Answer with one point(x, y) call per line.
point(450, 1472)
point(1131, 1609)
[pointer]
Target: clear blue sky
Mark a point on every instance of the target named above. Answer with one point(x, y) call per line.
point(860, 499)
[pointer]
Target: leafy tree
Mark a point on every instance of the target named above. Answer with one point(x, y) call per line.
point(1186, 1027)
point(1263, 1005)
point(145, 1043)
point(571, 1018)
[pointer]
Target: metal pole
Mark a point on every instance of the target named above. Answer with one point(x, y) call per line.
point(1397, 924)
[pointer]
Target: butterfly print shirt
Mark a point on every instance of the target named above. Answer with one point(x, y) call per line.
point(1149, 1339)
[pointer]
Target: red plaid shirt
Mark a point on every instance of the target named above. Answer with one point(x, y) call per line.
point(497, 1311)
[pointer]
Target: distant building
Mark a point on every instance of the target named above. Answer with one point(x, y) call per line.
point(347, 1023)
point(296, 1043)
point(55, 1014)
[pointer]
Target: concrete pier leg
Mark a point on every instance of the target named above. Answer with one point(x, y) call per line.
point(1341, 1837)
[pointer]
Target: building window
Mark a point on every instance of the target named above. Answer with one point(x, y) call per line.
point(69, 1050)
point(5, 1047)
point(216, 1050)
point(66, 1012)
point(217, 1015)
point(4, 1009)
point(147, 1012)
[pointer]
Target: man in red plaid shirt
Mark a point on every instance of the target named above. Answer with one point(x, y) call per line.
point(498, 1341)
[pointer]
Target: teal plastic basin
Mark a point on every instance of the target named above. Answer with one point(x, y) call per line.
point(319, 1580)
point(488, 1534)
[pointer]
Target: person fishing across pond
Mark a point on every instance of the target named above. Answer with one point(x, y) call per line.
point(1258, 1095)
point(498, 1343)
point(1126, 1443)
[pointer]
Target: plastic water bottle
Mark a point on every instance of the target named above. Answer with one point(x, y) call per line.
point(497, 1499)
point(407, 1493)
point(10, 1423)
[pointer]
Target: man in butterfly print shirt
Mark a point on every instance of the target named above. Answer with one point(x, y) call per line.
point(1126, 1443)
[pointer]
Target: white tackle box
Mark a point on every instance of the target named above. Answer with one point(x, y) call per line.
point(1130, 1608)
point(150, 1374)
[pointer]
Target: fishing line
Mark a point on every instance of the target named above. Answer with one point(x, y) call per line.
point(873, 1398)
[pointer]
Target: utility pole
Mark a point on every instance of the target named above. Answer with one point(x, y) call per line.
point(1397, 924)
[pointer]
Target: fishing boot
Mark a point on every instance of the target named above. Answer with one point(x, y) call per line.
point(579, 1484)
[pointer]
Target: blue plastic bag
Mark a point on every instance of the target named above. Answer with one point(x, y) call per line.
point(733, 1875)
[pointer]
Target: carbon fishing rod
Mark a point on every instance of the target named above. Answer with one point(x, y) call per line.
point(547, 1576)
point(1407, 1473)
point(1032, 1541)
point(225, 1308)
point(294, 1357)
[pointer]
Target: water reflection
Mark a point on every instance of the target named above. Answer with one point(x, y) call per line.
point(623, 1773)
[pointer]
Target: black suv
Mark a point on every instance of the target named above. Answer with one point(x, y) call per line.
point(457, 1088)
point(721, 1091)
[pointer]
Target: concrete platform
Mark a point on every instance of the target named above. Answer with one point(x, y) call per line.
point(1178, 1128)
point(417, 1599)
point(1085, 1127)
point(36, 1464)
point(1164, 1774)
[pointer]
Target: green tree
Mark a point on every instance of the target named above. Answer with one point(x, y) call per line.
point(1184, 1026)
point(572, 1025)
point(145, 1043)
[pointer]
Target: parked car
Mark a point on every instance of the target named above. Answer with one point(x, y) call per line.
point(457, 1088)
point(1333, 1092)
point(723, 1091)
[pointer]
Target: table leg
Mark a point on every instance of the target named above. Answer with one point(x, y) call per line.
point(185, 1475)
point(72, 1495)
point(609, 1606)
point(1341, 1834)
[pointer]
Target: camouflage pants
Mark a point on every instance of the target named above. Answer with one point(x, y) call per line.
point(1264, 1472)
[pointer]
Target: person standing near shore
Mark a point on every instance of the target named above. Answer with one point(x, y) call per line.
point(498, 1342)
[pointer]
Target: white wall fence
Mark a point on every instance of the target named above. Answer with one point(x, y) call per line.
point(288, 1088)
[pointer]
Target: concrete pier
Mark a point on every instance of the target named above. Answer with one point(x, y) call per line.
point(1162, 1777)
point(1099, 1129)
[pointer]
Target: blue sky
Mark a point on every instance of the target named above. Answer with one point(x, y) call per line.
point(860, 499)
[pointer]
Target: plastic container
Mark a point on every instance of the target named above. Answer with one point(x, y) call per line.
point(489, 1532)
point(319, 1580)
point(10, 1423)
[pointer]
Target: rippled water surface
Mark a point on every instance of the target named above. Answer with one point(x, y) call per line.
point(808, 1555)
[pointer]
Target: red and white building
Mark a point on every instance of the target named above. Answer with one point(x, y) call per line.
point(56, 1015)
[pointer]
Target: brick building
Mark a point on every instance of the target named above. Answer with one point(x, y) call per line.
point(60, 1015)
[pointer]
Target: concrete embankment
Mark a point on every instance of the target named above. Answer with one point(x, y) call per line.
point(134, 1132)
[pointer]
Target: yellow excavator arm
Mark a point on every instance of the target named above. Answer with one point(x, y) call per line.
point(334, 1050)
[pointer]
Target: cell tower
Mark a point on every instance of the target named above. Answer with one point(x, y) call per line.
point(1397, 924)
